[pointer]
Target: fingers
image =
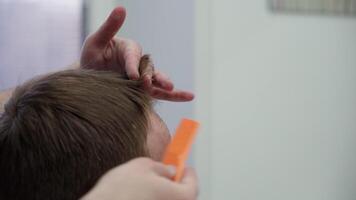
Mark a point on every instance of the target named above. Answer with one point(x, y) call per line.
point(162, 81)
point(177, 96)
point(190, 177)
point(110, 27)
point(190, 183)
point(157, 168)
point(149, 76)
point(165, 171)
point(157, 83)
point(187, 189)
point(132, 53)
point(146, 69)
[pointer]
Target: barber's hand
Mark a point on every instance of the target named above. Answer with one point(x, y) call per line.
point(143, 178)
point(103, 51)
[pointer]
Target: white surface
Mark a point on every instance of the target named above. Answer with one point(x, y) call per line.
point(282, 108)
point(37, 36)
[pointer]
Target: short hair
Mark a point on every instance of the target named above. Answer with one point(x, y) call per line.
point(61, 132)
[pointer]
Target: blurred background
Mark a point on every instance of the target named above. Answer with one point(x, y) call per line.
point(275, 82)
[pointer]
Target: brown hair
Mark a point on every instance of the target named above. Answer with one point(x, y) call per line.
point(61, 132)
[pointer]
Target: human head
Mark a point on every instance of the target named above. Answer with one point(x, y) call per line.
point(61, 132)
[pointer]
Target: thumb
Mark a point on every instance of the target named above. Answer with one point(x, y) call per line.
point(110, 27)
point(190, 182)
point(166, 171)
point(190, 177)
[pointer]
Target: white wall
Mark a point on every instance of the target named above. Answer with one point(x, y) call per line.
point(276, 96)
point(37, 36)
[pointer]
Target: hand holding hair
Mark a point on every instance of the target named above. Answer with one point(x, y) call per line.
point(103, 51)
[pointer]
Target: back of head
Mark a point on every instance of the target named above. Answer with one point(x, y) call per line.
point(61, 132)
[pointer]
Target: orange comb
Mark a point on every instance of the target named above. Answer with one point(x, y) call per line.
point(178, 150)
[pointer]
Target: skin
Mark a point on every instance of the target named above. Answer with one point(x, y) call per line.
point(143, 178)
point(158, 137)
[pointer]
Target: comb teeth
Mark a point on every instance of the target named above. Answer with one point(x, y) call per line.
point(178, 150)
